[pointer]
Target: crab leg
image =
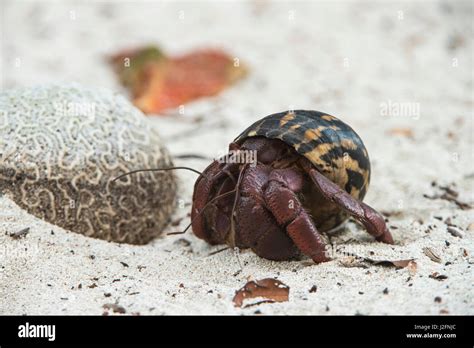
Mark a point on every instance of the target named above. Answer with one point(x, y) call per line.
point(281, 199)
point(369, 217)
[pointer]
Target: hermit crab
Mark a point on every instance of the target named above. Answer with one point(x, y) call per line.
point(286, 178)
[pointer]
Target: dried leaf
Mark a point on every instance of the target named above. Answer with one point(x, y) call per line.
point(158, 82)
point(432, 254)
point(406, 132)
point(387, 263)
point(412, 267)
point(396, 263)
point(20, 234)
point(351, 261)
point(450, 195)
point(438, 276)
point(449, 191)
point(272, 290)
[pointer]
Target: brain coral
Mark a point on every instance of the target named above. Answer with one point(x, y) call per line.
point(60, 146)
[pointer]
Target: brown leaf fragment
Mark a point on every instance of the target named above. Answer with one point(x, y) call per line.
point(451, 195)
point(386, 263)
point(454, 231)
point(449, 191)
point(272, 290)
point(395, 263)
point(401, 131)
point(437, 276)
point(351, 261)
point(461, 205)
point(412, 267)
point(258, 303)
point(19, 234)
point(432, 255)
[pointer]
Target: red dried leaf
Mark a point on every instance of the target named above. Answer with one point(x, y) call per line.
point(272, 290)
point(158, 82)
point(396, 263)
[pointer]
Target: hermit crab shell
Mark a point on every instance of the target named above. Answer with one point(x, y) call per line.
point(329, 144)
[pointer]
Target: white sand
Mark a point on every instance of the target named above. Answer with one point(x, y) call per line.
point(295, 63)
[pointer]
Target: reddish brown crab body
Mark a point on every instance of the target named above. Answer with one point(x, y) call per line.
point(309, 172)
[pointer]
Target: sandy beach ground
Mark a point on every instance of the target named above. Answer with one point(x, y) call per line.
point(360, 61)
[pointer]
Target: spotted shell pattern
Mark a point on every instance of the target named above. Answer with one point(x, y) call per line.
point(60, 148)
point(332, 146)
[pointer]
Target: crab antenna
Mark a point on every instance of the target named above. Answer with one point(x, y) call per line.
point(202, 211)
point(193, 156)
point(237, 196)
point(218, 251)
point(157, 170)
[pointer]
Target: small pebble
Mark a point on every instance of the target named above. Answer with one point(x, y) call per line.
point(456, 232)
